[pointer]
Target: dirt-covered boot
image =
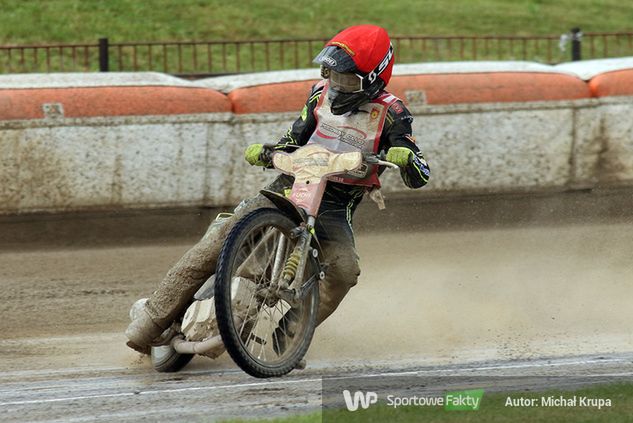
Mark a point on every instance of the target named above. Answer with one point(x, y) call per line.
point(142, 331)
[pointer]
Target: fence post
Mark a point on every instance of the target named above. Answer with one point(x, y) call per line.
point(104, 57)
point(576, 39)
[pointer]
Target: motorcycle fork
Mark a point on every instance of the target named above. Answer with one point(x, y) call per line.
point(289, 287)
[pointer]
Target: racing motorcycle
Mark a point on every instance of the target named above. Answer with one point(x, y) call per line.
point(261, 304)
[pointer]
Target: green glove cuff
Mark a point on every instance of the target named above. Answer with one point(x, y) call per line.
point(253, 155)
point(399, 156)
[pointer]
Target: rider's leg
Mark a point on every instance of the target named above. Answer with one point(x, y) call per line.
point(342, 275)
point(337, 241)
point(189, 273)
point(335, 234)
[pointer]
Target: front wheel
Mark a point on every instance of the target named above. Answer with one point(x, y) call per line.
point(262, 333)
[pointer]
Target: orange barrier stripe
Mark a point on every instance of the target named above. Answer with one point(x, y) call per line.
point(612, 83)
point(112, 101)
point(291, 96)
point(438, 89)
point(273, 98)
point(491, 87)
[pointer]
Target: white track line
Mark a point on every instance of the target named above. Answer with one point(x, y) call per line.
point(319, 379)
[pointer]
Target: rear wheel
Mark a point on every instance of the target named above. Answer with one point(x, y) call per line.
point(166, 359)
point(263, 334)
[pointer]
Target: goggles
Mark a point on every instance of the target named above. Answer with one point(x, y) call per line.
point(345, 82)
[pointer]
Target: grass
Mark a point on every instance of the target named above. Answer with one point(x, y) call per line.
point(492, 409)
point(24, 22)
point(75, 21)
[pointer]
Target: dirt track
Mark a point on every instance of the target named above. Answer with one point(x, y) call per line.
point(477, 289)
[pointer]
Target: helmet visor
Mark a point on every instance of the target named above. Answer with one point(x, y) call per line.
point(335, 58)
point(345, 82)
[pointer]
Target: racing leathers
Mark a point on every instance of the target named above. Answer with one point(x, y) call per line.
point(396, 132)
point(333, 227)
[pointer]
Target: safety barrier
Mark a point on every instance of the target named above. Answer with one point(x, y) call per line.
point(148, 140)
point(446, 83)
point(612, 84)
point(110, 101)
point(489, 88)
point(430, 89)
point(110, 97)
point(275, 98)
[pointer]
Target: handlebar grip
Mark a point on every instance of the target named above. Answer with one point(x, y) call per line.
point(388, 164)
point(378, 159)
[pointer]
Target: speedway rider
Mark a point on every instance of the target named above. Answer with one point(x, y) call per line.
point(347, 110)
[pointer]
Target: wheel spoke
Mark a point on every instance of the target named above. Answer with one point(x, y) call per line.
point(266, 334)
point(259, 311)
point(257, 282)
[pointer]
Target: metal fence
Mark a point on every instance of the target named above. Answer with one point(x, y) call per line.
point(202, 58)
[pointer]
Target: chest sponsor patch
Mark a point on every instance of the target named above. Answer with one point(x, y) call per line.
point(342, 135)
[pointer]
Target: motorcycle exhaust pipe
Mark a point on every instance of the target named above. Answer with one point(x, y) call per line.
point(200, 347)
point(188, 347)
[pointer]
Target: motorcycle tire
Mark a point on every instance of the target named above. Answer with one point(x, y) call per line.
point(166, 360)
point(248, 228)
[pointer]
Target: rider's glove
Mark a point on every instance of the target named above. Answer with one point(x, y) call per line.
point(254, 156)
point(399, 156)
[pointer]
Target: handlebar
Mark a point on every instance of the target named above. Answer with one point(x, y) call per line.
point(378, 159)
point(369, 158)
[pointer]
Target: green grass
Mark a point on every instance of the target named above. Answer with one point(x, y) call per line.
point(84, 21)
point(55, 21)
point(492, 409)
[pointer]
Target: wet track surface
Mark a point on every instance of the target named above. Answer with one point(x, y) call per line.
point(207, 395)
point(484, 287)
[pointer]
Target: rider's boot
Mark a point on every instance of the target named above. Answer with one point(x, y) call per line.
point(142, 331)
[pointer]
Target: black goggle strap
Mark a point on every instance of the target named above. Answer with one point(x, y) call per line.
point(371, 77)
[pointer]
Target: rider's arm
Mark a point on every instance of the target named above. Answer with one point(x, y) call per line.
point(298, 134)
point(301, 130)
point(397, 133)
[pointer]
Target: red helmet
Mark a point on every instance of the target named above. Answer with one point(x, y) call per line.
point(364, 51)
